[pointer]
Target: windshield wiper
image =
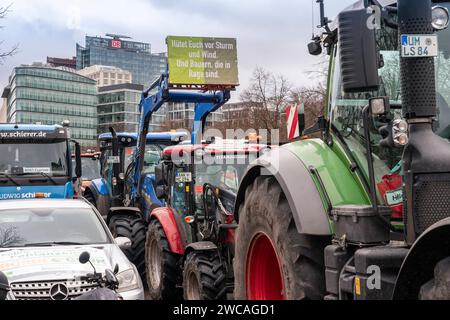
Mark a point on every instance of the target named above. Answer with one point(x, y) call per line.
point(42, 174)
point(52, 243)
point(9, 178)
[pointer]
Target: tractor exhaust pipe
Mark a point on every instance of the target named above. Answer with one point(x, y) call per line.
point(426, 164)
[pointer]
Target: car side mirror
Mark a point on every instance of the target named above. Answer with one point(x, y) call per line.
point(123, 242)
point(161, 192)
point(4, 286)
point(358, 51)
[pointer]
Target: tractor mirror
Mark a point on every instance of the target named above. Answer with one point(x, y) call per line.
point(160, 174)
point(78, 165)
point(357, 51)
point(161, 192)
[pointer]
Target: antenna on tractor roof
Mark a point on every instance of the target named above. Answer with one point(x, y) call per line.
point(323, 19)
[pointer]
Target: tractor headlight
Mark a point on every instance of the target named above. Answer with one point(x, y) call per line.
point(128, 280)
point(440, 18)
point(400, 132)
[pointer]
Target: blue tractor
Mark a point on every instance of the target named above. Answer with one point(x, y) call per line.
point(117, 163)
point(130, 218)
point(36, 162)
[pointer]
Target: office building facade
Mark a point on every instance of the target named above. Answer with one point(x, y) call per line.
point(114, 51)
point(118, 107)
point(106, 75)
point(48, 95)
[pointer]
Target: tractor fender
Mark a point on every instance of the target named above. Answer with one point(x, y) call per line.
point(298, 186)
point(117, 211)
point(168, 221)
point(418, 267)
point(200, 246)
point(100, 193)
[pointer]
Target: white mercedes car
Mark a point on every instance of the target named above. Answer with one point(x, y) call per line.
point(40, 244)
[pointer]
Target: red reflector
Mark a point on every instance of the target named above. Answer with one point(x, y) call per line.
point(198, 189)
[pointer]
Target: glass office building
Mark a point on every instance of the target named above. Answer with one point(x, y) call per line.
point(118, 107)
point(128, 55)
point(47, 95)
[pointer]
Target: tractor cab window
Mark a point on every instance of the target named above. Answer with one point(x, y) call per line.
point(221, 171)
point(346, 108)
point(178, 192)
point(152, 157)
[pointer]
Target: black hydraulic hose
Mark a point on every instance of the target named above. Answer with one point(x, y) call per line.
point(155, 84)
point(372, 182)
point(117, 190)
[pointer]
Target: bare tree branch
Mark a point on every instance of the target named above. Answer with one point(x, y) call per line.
point(3, 55)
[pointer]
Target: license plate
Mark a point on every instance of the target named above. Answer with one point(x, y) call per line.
point(394, 197)
point(113, 159)
point(183, 177)
point(419, 46)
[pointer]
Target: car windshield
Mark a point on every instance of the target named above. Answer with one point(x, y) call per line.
point(34, 158)
point(346, 108)
point(90, 168)
point(46, 226)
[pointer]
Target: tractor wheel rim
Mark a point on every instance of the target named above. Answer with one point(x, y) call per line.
point(155, 264)
point(193, 287)
point(263, 271)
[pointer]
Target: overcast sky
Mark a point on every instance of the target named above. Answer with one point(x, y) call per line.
point(270, 33)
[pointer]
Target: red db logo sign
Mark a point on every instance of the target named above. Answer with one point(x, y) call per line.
point(116, 44)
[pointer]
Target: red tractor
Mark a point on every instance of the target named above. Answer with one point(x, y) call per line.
point(190, 242)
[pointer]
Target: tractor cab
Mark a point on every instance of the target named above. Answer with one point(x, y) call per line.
point(199, 183)
point(90, 169)
point(102, 189)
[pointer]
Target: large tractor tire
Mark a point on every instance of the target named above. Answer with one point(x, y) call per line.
point(133, 228)
point(272, 260)
point(163, 272)
point(204, 276)
point(438, 288)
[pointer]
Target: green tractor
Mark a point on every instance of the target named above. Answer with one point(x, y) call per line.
point(364, 211)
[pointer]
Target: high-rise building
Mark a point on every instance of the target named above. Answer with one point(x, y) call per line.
point(106, 75)
point(159, 64)
point(48, 95)
point(115, 51)
point(3, 114)
point(118, 107)
point(62, 62)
